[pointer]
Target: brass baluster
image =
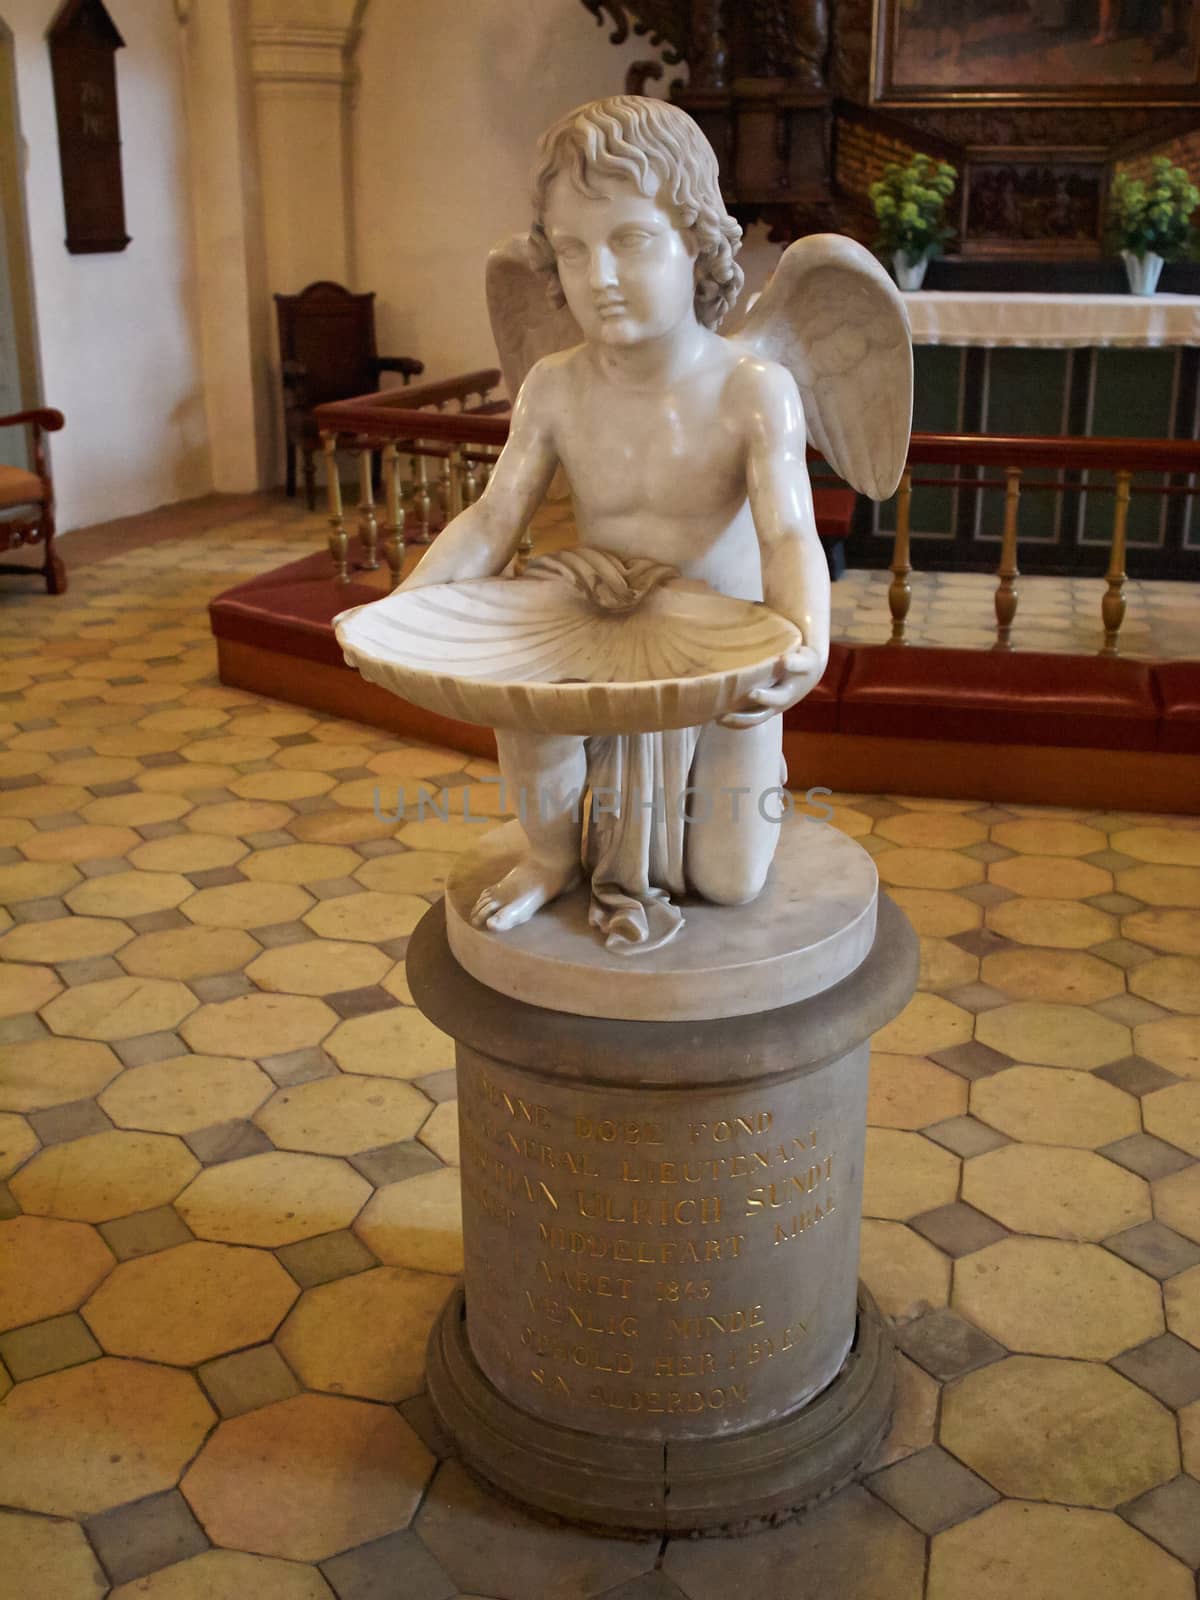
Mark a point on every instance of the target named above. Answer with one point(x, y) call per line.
point(1007, 572)
point(339, 544)
point(368, 526)
point(443, 489)
point(471, 487)
point(899, 590)
point(422, 499)
point(454, 482)
point(1112, 606)
point(393, 528)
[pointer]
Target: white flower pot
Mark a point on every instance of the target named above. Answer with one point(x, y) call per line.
point(910, 274)
point(1143, 272)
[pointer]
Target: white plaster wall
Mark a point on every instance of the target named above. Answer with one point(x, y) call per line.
point(118, 334)
point(451, 102)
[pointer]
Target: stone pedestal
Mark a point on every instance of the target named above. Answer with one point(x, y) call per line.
point(661, 1325)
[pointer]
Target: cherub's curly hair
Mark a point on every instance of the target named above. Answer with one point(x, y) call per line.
point(658, 147)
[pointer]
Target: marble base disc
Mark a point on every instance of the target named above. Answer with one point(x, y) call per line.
point(732, 1484)
point(812, 925)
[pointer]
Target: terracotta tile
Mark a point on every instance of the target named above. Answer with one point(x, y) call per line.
point(343, 1115)
point(239, 818)
point(228, 1575)
point(93, 1437)
point(258, 1025)
point(1189, 1434)
point(1136, 1075)
point(1052, 924)
point(1060, 1192)
point(187, 853)
point(392, 1163)
point(936, 913)
point(1123, 953)
point(1018, 1548)
point(396, 1564)
point(370, 916)
point(329, 1474)
point(906, 1174)
point(119, 1008)
point(1129, 1010)
point(273, 1199)
point(61, 939)
point(129, 894)
point(957, 1229)
point(914, 1414)
point(945, 966)
point(188, 952)
point(904, 1272)
point(18, 1142)
point(926, 869)
point(332, 825)
point(246, 905)
point(298, 1066)
point(287, 787)
point(366, 1334)
point(1155, 1249)
point(1162, 846)
point(1058, 1106)
point(416, 1223)
point(1026, 973)
point(298, 863)
point(965, 1136)
point(318, 967)
point(1175, 886)
point(149, 1047)
point(439, 1086)
point(144, 1232)
point(1058, 1298)
point(932, 829)
point(142, 1538)
point(25, 988)
point(103, 1176)
point(1174, 931)
point(1173, 1044)
point(853, 1547)
point(46, 1560)
point(49, 1346)
point(1053, 1035)
point(157, 921)
point(190, 1303)
point(1050, 877)
point(927, 1024)
point(1177, 1201)
point(321, 1260)
point(88, 843)
point(932, 1490)
point(945, 1345)
point(75, 1120)
point(398, 1043)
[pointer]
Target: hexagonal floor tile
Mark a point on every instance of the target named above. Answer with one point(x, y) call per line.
point(328, 1474)
point(342, 1115)
point(64, 939)
point(905, 1273)
point(17, 1142)
point(1050, 877)
point(89, 1438)
point(1175, 847)
point(1046, 836)
point(129, 894)
point(187, 853)
point(1062, 1193)
point(1172, 1042)
point(35, 880)
point(398, 1043)
point(1162, 886)
point(440, 1134)
point(229, 1575)
point(1055, 1298)
point(48, 1072)
point(318, 967)
point(906, 1174)
point(410, 872)
point(1056, 975)
point(1169, 981)
point(26, 988)
point(188, 952)
point(416, 1223)
point(186, 1093)
point(88, 842)
point(1174, 930)
point(911, 1092)
point(50, 1267)
point(928, 1023)
point(239, 818)
point(1068, 1431)
point(492, 1548)
point(191, 1303)
point(246, 905)
point(1018, 1551)
point(365, 1335)
point(273, 1199)
point(916, 868)
point(46, 1560)
point(104, 1175)
point(936, 914)
point(370, 916)
point(120, 1008)
point(945, 966)
point(1177, 1201)
point(301, 863)
point(1055, 1105)
point(1051, 924)
point(1053, 1035)
point(937, 830)
point(1173, 1114)
point(1181, 1296)
point(259, 1025)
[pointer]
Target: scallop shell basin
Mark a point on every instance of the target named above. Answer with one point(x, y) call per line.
point(540, 655)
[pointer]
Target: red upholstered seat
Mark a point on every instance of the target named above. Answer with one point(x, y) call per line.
point(996, 697)
point(290, 610)
point(834, 511)
point(1178, 684)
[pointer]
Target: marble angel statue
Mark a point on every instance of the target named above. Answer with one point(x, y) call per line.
point(684, 452)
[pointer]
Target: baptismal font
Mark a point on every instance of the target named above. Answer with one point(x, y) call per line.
point(661, 982)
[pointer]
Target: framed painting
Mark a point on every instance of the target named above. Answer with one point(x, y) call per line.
point(1034, 204)
point(1020, 52)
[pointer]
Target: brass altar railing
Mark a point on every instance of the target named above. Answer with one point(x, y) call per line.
point(466, 442)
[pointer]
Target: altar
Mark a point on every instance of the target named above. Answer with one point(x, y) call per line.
point(1082, 365)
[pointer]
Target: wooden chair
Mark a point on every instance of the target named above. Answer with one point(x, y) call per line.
point(327, 349)
point(27, 500)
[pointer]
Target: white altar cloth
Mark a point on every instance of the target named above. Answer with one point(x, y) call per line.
point(1053, 321)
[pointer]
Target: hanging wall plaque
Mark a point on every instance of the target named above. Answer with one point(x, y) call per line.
point(83, 46)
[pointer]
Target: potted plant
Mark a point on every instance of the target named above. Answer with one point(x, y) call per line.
point(910, 204)
point(1150, 222)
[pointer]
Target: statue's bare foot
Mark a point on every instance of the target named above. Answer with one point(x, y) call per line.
point(530, 885)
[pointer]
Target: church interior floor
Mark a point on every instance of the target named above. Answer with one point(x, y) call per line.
point(228, 1149)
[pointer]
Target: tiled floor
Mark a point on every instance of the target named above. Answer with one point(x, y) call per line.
point(229, 1144)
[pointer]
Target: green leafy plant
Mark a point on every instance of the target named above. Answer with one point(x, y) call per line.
point(1154, 216)
point(910, 203)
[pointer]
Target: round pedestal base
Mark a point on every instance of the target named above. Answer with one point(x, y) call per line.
point(728, 1484)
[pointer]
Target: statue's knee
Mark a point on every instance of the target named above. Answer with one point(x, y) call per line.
point(729, 882)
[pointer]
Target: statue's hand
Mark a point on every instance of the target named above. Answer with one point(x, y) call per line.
point(796, 674)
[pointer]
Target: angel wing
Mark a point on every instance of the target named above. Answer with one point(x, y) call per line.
point(525, 325)
point(834, 318)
